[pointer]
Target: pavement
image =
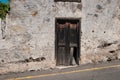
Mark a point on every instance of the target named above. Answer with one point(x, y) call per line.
point(101, 71)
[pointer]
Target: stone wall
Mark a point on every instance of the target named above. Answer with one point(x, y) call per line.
point(30, 36)
point(100, 30)
point(0, 26)
point(29, 42)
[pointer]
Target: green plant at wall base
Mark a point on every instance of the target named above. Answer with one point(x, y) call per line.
point(4, 9)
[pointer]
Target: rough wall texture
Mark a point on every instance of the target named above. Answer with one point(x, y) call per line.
point(30, 34)
point(100, 30)
point(29, 42)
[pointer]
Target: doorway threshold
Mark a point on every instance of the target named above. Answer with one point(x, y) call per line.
point(63, 67)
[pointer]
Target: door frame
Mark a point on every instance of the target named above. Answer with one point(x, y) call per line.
point(79, 35)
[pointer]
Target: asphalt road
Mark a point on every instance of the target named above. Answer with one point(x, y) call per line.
point(103, 71)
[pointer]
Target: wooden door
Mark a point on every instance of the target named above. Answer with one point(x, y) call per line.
point(67, 42)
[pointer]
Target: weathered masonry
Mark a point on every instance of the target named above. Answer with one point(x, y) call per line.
point(41, 34)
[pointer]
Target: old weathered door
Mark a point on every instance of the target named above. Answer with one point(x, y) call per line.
point(67, 41)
